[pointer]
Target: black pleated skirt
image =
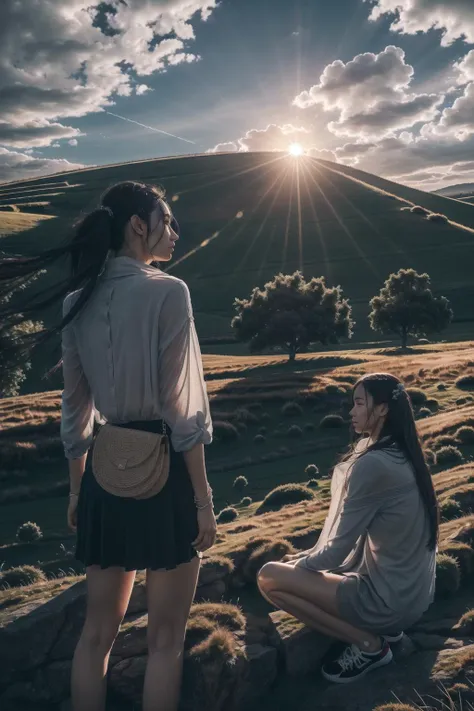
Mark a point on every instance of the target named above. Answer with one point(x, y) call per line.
point(135, 534)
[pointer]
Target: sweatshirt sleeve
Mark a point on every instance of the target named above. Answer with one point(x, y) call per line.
point(364, 496)
point(77, 405)
point(183, 394)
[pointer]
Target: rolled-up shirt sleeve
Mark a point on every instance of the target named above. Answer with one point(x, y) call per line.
point(77, 405)
point(183, 395)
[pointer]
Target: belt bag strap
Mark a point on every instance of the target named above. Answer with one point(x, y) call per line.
point(130, 463)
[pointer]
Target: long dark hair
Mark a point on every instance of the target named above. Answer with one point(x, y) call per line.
point(399, 429)
point(95, 235)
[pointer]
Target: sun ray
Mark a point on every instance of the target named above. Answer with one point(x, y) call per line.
point(344, 227)
point(319, 230)
point(396, 248)
point(280, 178)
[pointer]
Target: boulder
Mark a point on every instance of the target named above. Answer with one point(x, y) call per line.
point(131, 641)
point(30, 632)
point(213, 592)
point(302, 648)
point(427, 642)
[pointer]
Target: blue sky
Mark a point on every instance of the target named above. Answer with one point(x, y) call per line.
point(384, 85)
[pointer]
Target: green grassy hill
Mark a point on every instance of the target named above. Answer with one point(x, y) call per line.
point(245, 217)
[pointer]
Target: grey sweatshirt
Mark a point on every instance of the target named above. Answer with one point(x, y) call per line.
point(377, 526)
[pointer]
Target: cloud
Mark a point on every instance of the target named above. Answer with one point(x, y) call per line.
point(370, 92)
point(466, 68)
point(455, 18)
point(34, 133)
point(142, 89)
point(271, 138)
point(16, 166)
point(323, 154)
point(364, 80)
point(387, 116)
point(229, 147)
point(402, 159)
point(73, 142)
point(69, 58)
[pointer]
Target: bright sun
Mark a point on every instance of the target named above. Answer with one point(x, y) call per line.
point(295, 149)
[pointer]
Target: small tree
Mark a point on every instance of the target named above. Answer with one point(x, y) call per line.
point(406, 306)
point(292, 313)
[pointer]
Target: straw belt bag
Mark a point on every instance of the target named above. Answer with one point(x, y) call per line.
point(131, 463)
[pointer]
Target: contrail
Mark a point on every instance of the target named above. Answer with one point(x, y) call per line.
point(158, 130)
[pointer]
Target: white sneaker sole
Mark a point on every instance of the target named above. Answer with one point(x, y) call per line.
point(381, 663)
point(394, 640)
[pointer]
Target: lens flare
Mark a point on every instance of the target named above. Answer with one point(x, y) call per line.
point(295, 150)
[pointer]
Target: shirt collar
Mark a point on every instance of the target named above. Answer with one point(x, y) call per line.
point(117, 267)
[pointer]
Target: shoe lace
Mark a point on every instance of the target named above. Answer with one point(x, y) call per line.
point(350, 658)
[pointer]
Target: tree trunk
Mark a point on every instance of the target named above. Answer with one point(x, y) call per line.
point(292, 353)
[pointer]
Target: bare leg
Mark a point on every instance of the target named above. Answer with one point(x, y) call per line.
point(108, 595)
point(170, 596)
point(312, 599)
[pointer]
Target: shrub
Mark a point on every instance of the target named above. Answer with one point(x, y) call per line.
point(262, 430)
point(432, 403)
point(441, 386)
point(240, 483)
point(242, 427)
point(227, 515)
point(464, 400)
point(430, 457)
point(225, 431)
point(450, 509)
point(465, 382)
point(309, 427)
point(444, 441)
point(284, 495)
point(424, 412)
point(244, 415)
point(294, 431)
point(448, 576)
point(259, 439)
point(466, 623)
point(417, 396)
point(311, 470)
point(333, 389)
point(437, 217)
point(464, 554)
point(465, 435)
point(246, 501)
point(313, 483)
point(29, 532)
point(448, 455)
point(283, 451)
point(291, 409)
point(418, 210)
point(22, 575)
point(332, 421)
point(274, 550)
point(265, 416)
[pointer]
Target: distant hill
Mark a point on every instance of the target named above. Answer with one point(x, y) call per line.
point(245, 217)
point(454, 190)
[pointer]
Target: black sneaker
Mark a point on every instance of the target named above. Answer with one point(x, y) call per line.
point(394, 637)
point(354, 664)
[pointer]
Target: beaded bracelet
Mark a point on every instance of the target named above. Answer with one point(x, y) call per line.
point(205, 499)
point(204, 506)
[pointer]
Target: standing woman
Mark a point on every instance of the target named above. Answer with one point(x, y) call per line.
point(141, 500)
point(372, 572)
